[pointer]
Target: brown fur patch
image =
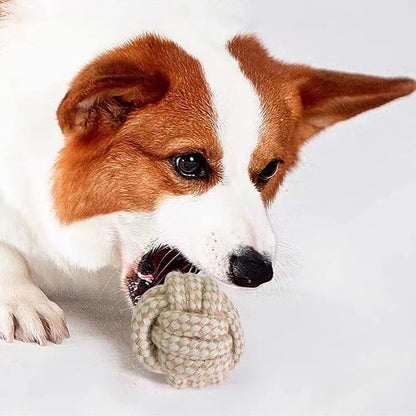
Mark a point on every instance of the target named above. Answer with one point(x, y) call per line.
point(125, 115)
point(299, 101)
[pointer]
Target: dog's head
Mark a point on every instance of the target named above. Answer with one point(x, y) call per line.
point(186, 154)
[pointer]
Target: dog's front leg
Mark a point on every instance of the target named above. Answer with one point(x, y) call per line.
point(26, 313)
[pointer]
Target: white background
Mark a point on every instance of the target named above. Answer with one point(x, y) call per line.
point(336, 333)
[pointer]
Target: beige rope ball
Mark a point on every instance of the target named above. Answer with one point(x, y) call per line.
point(188, 330)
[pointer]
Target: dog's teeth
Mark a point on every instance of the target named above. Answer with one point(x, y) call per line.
point(148, 278)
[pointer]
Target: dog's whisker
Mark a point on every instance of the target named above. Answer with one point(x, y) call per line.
point(169, 263)
point(120, 290)
point(171, 250)
point(108, 282)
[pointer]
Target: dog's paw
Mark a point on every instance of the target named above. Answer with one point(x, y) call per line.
point(26, 314)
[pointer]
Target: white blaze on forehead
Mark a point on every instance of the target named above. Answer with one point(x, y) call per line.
point(239, 115)
point(236, 102)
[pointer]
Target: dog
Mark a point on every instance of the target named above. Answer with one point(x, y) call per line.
point(149, 138)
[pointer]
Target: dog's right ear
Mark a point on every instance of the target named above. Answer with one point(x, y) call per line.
point(104, 93)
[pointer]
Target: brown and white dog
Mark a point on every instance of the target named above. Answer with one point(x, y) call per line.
point(147, 137)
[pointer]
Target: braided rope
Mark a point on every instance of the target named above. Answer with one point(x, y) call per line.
point(188, 330)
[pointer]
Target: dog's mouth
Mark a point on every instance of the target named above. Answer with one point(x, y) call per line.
point(152, 269)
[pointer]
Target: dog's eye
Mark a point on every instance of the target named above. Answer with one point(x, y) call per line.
point(269, 171)
point(192, 166)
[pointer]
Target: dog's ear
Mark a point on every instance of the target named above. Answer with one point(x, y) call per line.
point(103, 95)
point(331, 96)
point(319, 98)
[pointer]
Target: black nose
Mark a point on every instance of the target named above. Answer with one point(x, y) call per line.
point(249, 268)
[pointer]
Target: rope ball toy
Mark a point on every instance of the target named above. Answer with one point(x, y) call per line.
point(188, 330)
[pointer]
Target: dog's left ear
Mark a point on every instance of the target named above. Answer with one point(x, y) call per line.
point(331, 96)
point(319, 98)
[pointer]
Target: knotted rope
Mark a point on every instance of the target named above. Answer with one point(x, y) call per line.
point(188, 330)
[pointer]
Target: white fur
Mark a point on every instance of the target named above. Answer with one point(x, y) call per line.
point(43, 46)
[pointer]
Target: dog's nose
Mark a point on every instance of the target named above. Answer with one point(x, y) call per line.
point(249, 268)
